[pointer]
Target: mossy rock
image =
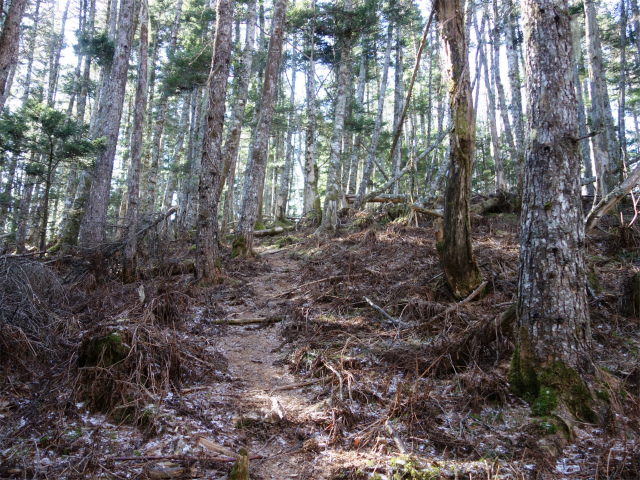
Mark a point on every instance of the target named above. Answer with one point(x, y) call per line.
point(285, 242)
point(260, 226)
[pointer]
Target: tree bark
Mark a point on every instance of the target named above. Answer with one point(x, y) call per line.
point(310, 177)
point(207, 267)
point(368, 167)
point(330, 211)
point(398, 107)
point(133, 177)
point(232, 144)
point(151, 193)
point(576, 38)
point(606, 150)
point(460, 268)
point(9, 40)
point(254, 180)
point(355, 153)
point(283, 191)
point(552, 309)
point(94, 221)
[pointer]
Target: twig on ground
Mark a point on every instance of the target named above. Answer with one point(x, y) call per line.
point(473, 295)
point(335, 277)
point(389, 317)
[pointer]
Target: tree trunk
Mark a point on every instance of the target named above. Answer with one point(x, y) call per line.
point(515, 84)
point(622, 136)
point(9, 40)
point(398, 106)
point(133, 176)
point(368, 167)
point(605, 146)
point(23, 210)
point(94, 221)
point(54, 64)
point(552, 309)
point(355, 153)
point(207, 267)
point(491, 113)
point(254, 180)
point(283, 191)
point(502, 101)
point(232, 144)
point(576, 38)
point(330, 212)
point(151, 190)
point(310, 178)
point(460, 269)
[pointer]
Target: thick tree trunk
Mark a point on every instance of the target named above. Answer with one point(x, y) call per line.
point(133, 176)
point(254, 180)
point(330, 211)
point(9, 40)
point(460, 269)
point(94, 221)
point(552, 309)
point(207, 267)
point(365, 183)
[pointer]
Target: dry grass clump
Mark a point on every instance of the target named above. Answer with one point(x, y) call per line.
point(126, 370)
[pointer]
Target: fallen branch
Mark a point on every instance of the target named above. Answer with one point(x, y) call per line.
point(335, 277)
point(214, 447)
point(185, 458)
point(431, 213)
point(247, 321)
point(296, 385)
point(473, 295)
point(396, 437)
point(393, 320)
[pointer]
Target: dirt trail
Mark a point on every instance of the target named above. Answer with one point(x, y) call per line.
point(278, 419)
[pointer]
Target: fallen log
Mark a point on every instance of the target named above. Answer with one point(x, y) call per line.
point(383, 198)
point(432, 213)
point(610, 200)
point(271, 231)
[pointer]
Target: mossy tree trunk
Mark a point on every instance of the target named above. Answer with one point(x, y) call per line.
point(208, 198)
point(552, 308)
point(460, 268)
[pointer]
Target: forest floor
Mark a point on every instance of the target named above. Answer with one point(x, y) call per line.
point(161, 379)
